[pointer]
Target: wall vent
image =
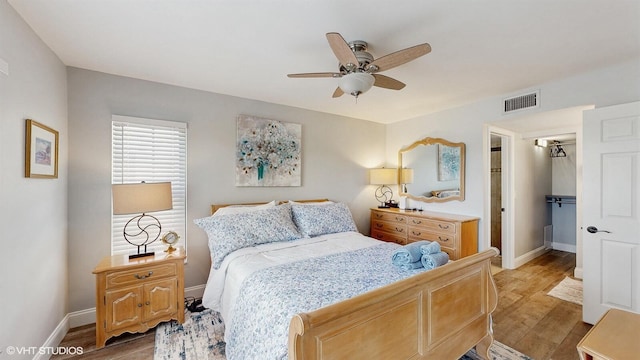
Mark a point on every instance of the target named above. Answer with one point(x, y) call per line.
point(520, 102)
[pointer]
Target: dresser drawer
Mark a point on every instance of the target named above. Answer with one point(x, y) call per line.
point(416, 234)
point(385, 236)
point(390, 227)
point(435, 225)
point(134, 276)
point(383, 216)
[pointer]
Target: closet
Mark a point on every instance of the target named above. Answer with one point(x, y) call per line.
point(560, 233)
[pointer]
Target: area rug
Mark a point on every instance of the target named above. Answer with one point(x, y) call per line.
point(568, 290)
point(201, 337)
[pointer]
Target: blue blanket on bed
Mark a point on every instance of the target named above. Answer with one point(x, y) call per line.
point(269, 298)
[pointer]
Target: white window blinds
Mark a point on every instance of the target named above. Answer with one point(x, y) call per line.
point(150, 151)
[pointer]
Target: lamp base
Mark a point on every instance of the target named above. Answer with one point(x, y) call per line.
point(135, 256)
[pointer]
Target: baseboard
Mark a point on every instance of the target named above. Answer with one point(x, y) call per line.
point(577, 273)
point(194, 291)
point(55, 338)
point(523, 259)
point(564, 247)
point(82, 317)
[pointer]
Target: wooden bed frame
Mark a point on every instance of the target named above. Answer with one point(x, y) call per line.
point(438, 314)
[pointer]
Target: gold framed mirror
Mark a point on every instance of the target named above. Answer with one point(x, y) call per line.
point(437, 170)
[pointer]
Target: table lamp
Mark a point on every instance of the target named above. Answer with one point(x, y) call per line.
point(383, 177)
point(141, 198)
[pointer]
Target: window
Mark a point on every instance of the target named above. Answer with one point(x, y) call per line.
point(150, 151)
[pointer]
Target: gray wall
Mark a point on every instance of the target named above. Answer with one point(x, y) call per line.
point(336, 153)
point(33, 285)
point(607, 86)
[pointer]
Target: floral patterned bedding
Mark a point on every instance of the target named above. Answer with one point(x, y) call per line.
point(270, 297)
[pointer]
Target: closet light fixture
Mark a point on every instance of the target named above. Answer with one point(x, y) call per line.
point(541, 142)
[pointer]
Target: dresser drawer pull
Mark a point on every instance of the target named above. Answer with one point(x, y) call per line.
point(400, 229)
point(399, 218)
point(379, 216)
point(417, 222)
point(379, 226)
point(443, 239)
point(443, 227)
point(416, 233)
point(140, 277)
point(139, 304)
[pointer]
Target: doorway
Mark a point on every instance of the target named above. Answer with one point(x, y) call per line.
point(523, 241)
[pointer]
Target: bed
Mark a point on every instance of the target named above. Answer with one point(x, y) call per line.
point(349, 313)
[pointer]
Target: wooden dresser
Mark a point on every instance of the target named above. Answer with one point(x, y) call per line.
point(136, 295)
point(457, 234)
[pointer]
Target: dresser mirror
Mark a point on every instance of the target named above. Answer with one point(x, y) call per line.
point(438, 170)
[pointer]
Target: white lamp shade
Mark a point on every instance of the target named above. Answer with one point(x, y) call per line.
point(356, 83)
point(383, 176)
point(141, 197)
point(406, 176)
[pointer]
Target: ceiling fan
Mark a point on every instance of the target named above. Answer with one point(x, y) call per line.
point(358, 70)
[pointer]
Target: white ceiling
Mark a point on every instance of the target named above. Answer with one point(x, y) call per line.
point(245, 48)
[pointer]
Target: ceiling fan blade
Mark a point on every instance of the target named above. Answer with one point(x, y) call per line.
point(338, 92)
point(315, 75)
point(387, 82)
point(342, 50)
point(401, 57)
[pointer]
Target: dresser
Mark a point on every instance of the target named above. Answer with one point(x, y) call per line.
point(457, 234)
point(134, 295)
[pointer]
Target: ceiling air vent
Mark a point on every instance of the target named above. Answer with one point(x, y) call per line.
point(521, 102)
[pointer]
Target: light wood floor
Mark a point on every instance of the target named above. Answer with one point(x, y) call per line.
point(526, 319)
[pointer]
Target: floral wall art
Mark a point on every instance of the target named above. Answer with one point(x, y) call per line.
point(268, 152)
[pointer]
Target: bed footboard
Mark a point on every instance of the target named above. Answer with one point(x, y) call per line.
point(439, 314)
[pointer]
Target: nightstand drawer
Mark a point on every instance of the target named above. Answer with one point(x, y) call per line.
point(135, 276)
point(435, 225)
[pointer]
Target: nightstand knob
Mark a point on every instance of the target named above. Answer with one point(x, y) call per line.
point(147, 303)
point(139, 305)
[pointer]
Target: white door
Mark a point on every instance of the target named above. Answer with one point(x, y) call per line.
point(611, 201)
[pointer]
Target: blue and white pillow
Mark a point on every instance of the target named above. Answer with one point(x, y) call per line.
point(228, 233)
point(315, 220)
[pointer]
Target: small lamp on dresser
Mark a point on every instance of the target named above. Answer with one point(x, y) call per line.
point(383, 177)
point(141, 198)
point(406, 177)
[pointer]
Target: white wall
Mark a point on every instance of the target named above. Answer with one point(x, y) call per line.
point(33, 285)
point(336, 153)
point(564, 183)
point(607, 86)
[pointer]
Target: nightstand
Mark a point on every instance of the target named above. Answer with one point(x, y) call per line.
point(613, 337)
point(135, 295)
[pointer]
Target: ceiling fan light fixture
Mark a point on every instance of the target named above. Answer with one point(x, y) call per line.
point(356, 83)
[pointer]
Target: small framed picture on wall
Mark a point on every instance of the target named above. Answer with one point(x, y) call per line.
point(41, 151)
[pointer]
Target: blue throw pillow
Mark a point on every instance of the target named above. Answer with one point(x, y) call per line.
point(228, 233)
point(315, 220)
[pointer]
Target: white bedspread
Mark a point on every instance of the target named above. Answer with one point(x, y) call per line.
point(223, 285)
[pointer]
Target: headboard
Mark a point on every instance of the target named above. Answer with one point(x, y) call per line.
point(215, 207)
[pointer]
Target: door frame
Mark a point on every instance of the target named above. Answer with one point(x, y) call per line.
point(508, 200)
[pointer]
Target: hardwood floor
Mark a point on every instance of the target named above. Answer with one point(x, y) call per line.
point(530, 321)
point(526, 319)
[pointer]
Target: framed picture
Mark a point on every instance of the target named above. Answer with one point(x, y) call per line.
point(268, 152)
point(448, 163)
point(41, 151)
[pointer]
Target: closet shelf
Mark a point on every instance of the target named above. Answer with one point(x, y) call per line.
point(560, 199)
